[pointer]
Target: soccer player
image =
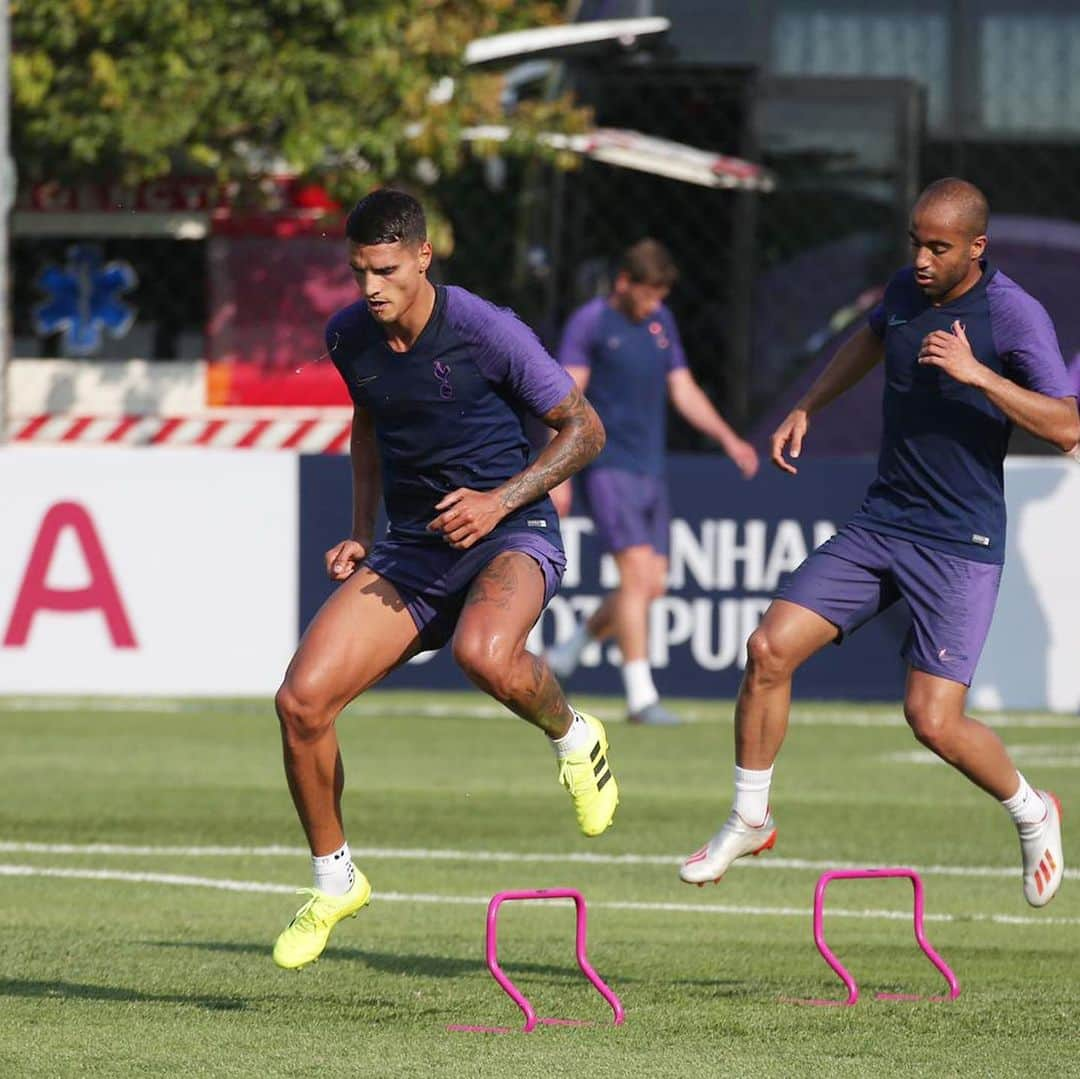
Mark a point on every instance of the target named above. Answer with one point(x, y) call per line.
point(624, 351)
point(968, 354)
point(440, 381)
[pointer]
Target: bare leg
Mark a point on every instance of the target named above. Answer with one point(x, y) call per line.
point(641, 580)
point(360, 634)
point(624, 613)
point(787, 636)
point(601, 623)
point(503, 604)
point(934, 708)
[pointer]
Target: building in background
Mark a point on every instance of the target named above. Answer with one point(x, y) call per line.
point(178, 315)
point(853, 106)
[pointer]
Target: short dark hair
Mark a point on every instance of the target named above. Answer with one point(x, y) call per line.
point(386, 216)
point(963, 199)
point(648, 262)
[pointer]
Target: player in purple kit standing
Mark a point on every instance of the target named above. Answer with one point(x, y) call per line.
point(968, 354)
point(624, 351)
point(441, 382)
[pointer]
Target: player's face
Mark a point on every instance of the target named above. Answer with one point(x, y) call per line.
point(944, 254)
point(390, 276)
point(638, 300)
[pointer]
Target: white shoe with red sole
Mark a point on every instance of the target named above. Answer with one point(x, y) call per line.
point(1044, 860)
point(736, 839)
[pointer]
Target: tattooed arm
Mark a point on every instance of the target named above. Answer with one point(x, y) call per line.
point(579, 437)
point(467, 516)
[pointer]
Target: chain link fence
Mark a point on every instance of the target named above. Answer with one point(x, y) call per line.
point(852, 108)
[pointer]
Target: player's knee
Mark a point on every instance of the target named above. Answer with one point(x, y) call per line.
point(657, 588)
point(637, 572)
point(483, 663)
point(301, 715)
point(765, 661)
point(929, 724)
point(638, 586)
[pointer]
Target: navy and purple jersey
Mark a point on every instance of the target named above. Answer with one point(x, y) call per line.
point(628, 363)
point(1074, 374)
point(940, 477)
point(449, 412)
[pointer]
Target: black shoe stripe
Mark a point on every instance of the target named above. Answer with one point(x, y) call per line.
point(599, 766)
point(594, 752)
point(603, 780)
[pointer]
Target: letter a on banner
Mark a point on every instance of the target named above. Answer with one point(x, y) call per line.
point(100, 594)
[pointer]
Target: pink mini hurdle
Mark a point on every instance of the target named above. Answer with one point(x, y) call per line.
point(532, 1020)
point(920, 936)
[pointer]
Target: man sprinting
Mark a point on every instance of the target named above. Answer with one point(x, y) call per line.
point(440, 382)
point(968, 354)
point(625, 353)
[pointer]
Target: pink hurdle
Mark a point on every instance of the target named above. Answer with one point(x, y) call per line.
point(920, 935)
point(532, 1020)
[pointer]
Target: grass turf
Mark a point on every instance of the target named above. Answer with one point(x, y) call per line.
point(103, 976)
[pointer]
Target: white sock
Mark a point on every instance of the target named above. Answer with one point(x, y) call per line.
point(637, 680)
point(1025, 806)
point(579, 736)
point(752, 794)
point(334, 873)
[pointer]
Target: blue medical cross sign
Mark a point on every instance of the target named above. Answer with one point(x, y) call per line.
point(84, 299)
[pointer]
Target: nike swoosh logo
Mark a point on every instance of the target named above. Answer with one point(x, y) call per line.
point(365, 381)
point(894, 321)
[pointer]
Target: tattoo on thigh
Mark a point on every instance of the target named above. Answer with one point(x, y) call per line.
point(496, 584)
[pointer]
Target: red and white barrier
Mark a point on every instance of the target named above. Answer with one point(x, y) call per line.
point(326, 431)
point(141, 403)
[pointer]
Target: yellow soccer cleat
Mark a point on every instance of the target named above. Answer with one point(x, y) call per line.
point(586, 774)
point(303, 940)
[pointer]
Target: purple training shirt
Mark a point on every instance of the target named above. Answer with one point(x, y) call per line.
point(628, 367)
point(940, 477)
point(450, 411)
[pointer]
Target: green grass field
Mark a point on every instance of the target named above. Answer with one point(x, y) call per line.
point(126, 952)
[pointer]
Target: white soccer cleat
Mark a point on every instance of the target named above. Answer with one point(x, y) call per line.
point(735, 839)
point(563, 659)
point(1040, 847)
point(654, 715)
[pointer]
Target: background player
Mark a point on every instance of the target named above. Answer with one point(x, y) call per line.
point(440, 381)
point(967, 354)
point(625, 352)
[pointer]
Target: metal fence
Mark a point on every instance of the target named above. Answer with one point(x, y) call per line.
point(767, 280)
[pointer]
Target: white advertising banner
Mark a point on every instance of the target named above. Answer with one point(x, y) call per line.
point(1032, 656)
point(146, 571)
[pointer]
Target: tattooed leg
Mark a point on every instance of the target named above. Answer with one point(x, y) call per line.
point(489, 645)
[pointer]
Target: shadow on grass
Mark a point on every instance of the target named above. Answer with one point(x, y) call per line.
point(14, 987)
point(724, 987)
point(428, 966)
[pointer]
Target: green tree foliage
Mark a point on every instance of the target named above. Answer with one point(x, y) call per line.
point(342, 90)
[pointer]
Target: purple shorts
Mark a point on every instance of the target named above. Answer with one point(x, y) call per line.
point(433, 579)
point(628, 509)
point(859, 573)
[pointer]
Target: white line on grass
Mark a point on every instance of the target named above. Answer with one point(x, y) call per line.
point(7, 870)
point(382, 704)
point(93, 704)
point(820, 716)
point(1043, 756)
point(421, 854)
